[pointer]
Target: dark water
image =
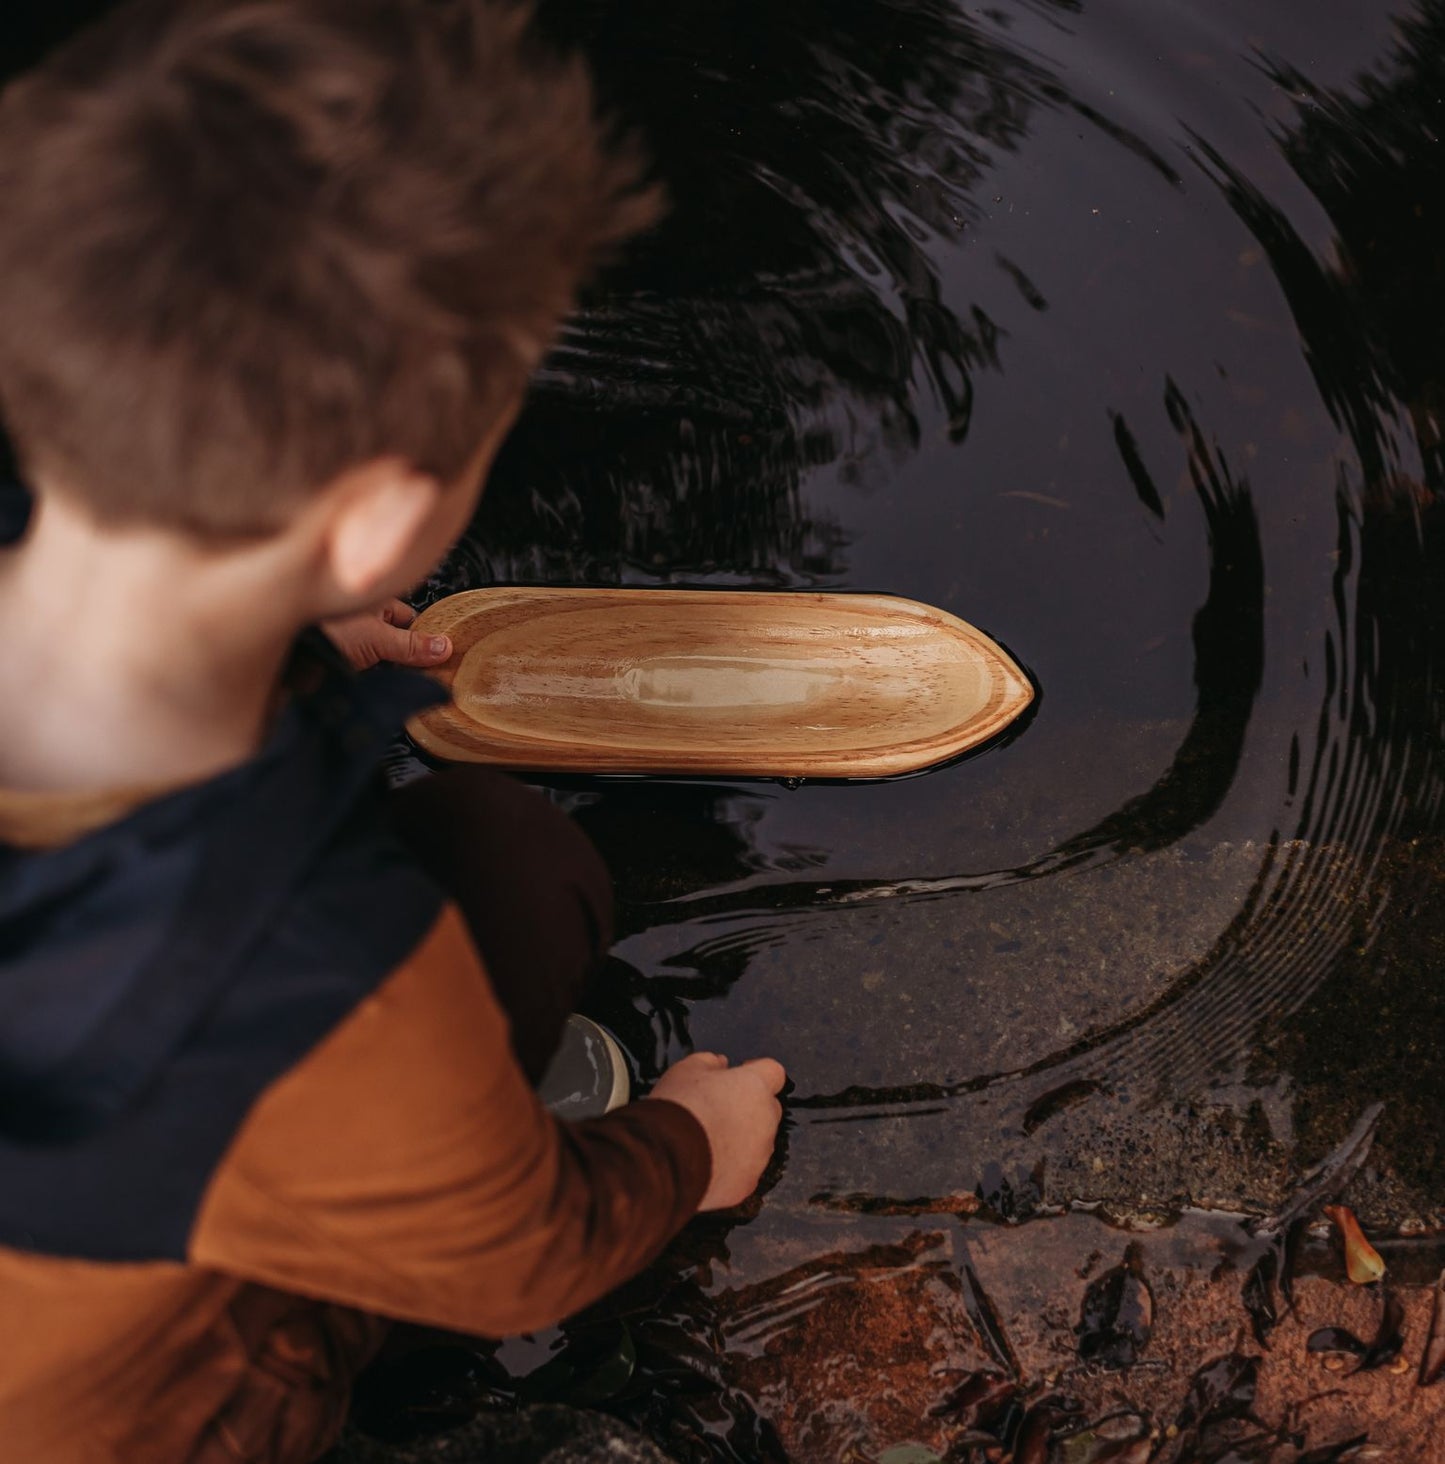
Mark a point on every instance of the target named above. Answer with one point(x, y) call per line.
point(1112, 327)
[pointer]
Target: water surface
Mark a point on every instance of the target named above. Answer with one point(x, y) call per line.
point(1110, 328)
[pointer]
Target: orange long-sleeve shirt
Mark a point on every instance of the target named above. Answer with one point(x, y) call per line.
point(399, 1167)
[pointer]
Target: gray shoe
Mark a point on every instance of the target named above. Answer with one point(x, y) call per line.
point(588, 1076)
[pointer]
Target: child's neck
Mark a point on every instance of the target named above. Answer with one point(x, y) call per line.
point(132, 658)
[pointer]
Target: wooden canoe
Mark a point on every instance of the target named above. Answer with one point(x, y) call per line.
point(728, 683)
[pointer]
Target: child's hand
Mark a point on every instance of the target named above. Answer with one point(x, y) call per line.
point(739, 1110)
point(382, 635)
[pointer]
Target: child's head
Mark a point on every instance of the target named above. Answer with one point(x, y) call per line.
point(260, 255)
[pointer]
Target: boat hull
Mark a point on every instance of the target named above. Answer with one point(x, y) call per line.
point(728, 683)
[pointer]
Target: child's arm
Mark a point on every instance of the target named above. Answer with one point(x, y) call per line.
point(407, 1168)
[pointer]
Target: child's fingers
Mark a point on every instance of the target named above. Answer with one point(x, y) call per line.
point(423, 650)
point(769, 1069)
point(408, 648)
point(707, 1059)
point(382, 635)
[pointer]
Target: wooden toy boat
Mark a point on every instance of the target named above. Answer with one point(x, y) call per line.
point(713, 681)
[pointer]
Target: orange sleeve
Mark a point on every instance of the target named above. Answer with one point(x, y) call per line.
point(405, 1167)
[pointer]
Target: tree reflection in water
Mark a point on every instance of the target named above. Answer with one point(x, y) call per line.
point(787, 314)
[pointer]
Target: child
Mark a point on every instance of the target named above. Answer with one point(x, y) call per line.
point(273, 274)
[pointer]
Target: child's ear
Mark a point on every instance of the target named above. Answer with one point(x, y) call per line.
point(378, 513)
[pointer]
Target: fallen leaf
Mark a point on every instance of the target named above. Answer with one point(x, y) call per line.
point(1117, 1317)
point(1363, 1263)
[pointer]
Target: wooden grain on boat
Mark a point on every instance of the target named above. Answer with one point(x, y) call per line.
point(718, 682)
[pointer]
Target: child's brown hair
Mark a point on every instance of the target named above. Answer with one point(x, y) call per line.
point(246, 244)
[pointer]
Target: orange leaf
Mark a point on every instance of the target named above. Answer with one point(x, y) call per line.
point(1363, 1263)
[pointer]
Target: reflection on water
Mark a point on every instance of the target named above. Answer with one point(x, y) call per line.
point(791, 313)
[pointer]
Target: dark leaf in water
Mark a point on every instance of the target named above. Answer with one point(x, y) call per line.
point(978, 1394)
point(975, 1447)
point(592, 1370)
point(1210, 1448)
point(606, 1375)
point(1432, 1360)
point(423, 1393)
point(1294, 1239)
point(1228, 1440)
point(666, 1349)
point(1034, 1439)
point(1005, 1422)
point(1258, 1296)
point(1120, 1438)
point(1334, 1453)
point(1389, 1339)
point(984, 1315)
point(1223, 1388)
point(1040, 1424)
point(1335, 1339)
point(722, 1427)
point(1118, 1314)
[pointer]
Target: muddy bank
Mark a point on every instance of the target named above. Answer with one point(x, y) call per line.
point(1066, 1341)
point(867, 1365)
